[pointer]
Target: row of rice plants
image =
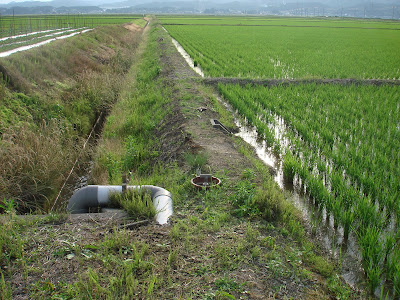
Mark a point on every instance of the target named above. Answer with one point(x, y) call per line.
point(291, 52)
point(345, 148)
point(255, 114)
point(368, 153)
point(28, 39)
point(20, 25)
point(278, 21)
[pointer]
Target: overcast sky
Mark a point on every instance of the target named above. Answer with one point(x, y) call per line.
point(8, 1)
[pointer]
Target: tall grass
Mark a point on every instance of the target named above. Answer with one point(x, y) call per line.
point(57, 94)
point(137, 203)
point(34, 163)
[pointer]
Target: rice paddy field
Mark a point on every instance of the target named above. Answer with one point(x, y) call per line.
point(342, 141)
point(13, 25)
point(19, 31)
point(276, 48)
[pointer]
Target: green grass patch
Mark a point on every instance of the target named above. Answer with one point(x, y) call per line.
point(137, 203)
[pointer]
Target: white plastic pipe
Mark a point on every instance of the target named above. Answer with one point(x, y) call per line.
point(92, 196)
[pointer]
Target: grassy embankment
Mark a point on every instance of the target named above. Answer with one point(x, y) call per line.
point(239, 240)
point(50, 98)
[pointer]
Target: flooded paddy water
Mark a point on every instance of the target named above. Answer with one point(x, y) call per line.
point(186, 56)
point(320, 224)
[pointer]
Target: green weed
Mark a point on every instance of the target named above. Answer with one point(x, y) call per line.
point(243, 199)
point(226, 284)
point(320, 265)
point(196, 161)
point(339, 288)
point(136, 202)
point(270, 202)
point(12, 243)
point(5, 289)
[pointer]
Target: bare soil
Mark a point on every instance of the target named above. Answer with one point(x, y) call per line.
point(133, 27)
point(221, 148)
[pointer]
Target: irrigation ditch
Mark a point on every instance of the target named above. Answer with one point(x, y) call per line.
point(80, 173)
point(72, 92)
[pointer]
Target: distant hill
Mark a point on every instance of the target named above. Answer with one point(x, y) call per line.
point(341, 8)
point(45, 9)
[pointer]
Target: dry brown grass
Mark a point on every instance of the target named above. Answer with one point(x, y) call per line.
point(34, 164)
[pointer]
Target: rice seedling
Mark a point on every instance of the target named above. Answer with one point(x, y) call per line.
point(336, 151)
point(276, 52)
point(347, 218)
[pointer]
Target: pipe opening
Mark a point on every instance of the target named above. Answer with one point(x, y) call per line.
point(98, 196)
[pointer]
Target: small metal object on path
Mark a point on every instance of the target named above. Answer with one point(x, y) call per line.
point(217, 124)
point(124, 183)
point(205, 181)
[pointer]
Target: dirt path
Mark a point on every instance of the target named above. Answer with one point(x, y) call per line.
point(197, 112)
